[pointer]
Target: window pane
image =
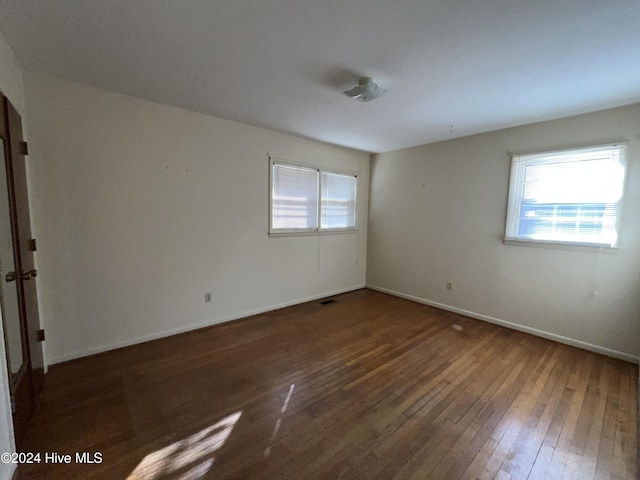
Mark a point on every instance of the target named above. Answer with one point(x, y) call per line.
point(294, 198)
point(570, 196)
point(338, 201)
point(586, 181)
point(561, 221)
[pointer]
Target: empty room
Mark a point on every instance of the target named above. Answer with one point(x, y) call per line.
point(319, 240)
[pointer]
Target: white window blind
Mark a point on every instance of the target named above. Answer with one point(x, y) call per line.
point(338, 204)
point(569, 197)
point(294, 198)
point(309, 199)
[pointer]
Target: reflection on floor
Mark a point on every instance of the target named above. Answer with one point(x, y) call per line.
point(191, 457)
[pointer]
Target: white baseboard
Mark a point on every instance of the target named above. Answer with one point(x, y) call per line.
point(167, 333)
point(514, 326)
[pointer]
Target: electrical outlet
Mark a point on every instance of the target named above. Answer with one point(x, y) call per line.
point(207, 297)
point(449, 286)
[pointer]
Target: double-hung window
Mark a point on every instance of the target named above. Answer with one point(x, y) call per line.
point(567, 197)
point(311, 199)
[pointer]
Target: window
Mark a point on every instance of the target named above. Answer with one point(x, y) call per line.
point(567, 197)
point(310, 199)
point(338, 200)
point(294, 194)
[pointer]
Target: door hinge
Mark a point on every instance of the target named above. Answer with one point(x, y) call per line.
point(24, 146)
point(32, 245)
point(41, 335)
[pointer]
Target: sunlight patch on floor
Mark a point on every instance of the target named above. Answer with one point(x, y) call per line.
point(193, 454)
point(276, 428)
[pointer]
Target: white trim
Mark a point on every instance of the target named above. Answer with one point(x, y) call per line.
point(301, 233)
point(289, 163)
point(577, 247)
point(514, 326)
point(569, 149)
point(312, 166)
point(168, 333)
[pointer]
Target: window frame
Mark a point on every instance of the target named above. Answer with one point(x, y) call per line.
point(515, 200)
point(320, 170)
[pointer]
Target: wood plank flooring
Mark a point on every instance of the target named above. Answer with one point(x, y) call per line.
point(368, 387)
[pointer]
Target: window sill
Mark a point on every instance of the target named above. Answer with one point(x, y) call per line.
point(303, 233)
point(576, 247)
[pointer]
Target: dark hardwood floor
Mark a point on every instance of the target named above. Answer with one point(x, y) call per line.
point(368, 387)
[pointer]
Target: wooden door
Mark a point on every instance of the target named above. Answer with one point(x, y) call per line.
point(24, 248)
point(18, 295)
point(14, 326)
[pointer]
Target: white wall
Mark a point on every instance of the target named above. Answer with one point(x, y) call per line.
point(141, 208)
point(11, 77)
point(437, 214)
point(11, 86)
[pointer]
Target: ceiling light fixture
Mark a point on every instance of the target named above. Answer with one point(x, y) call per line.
point(366, 90)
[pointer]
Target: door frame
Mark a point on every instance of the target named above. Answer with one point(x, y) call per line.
point(26, 387)
point(13, 380)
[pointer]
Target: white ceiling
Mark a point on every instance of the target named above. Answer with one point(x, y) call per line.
point(478, 65)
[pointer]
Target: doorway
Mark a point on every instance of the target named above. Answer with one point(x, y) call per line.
point(18, 296)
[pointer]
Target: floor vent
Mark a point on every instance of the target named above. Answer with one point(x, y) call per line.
point(327, 302)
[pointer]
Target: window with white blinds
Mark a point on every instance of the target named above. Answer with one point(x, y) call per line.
point(338, 200)
point(567, 197)
point(309, 199)
point(294, 198)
